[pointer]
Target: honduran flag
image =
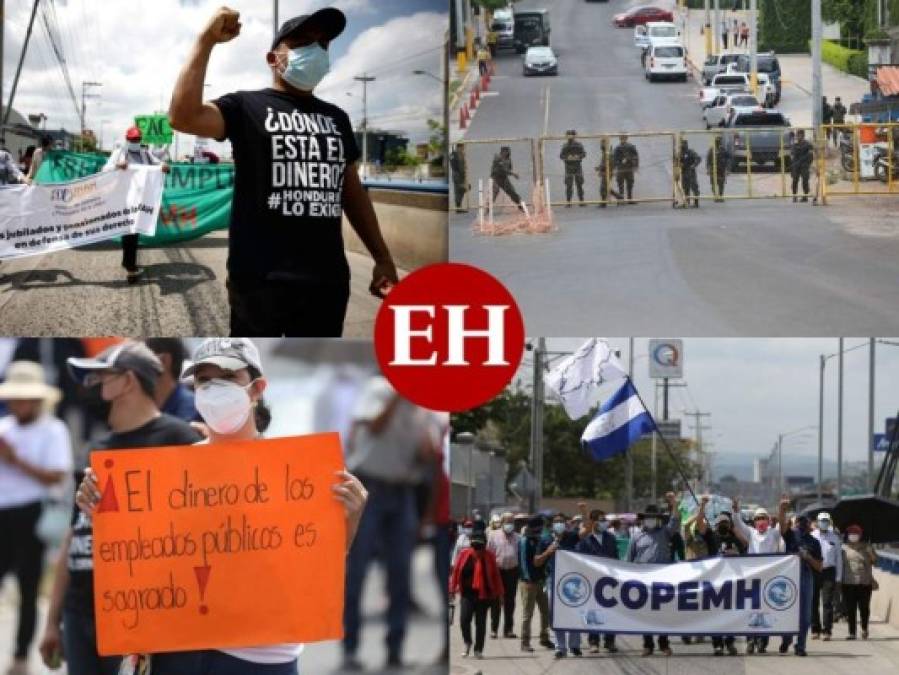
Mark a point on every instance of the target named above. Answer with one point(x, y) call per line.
point(620, 422)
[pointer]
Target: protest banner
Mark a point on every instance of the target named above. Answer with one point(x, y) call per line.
point(212, 546)
point(42, 218)
point(196, 199)
point(739, 595)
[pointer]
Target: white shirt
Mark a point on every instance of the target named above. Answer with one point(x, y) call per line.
point(831, 550)
point(277, 653)
point(462, 542)
point(44, 443)
point(769, 542)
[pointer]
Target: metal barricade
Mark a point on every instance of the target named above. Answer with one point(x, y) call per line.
point(860, 159)
point(479, 161)
point(620, 167)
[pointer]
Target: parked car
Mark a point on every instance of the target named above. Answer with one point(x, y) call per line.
point(716, 63)
point(666, 61)
point(645, 34)
point(531, 28)
point(641, 15)
point(722, 84)
point(541, 61)
point(758, 136)
point(724, 105)
point(769, 65)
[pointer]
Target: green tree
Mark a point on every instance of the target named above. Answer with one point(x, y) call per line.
point(849, 13)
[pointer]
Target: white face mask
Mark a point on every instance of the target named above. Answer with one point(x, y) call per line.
point(224, 405)
point(466, 531)
point(508, 527)
point(853, 538)
point(558, 528)
point(649, 523)
point(602, 526)
point(134, 147)
point(824, 525)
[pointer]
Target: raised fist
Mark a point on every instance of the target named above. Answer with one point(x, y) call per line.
point(223, 26)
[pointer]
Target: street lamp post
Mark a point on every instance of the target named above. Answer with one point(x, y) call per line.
point(364, 79)
point(445, 84)
point(780, 440)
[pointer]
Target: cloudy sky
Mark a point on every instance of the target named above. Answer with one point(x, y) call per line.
point(758, 388)
point(137, 48)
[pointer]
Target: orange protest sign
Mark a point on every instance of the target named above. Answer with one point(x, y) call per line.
point(227, 545)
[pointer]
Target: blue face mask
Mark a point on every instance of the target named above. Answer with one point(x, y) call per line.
point(306, 66)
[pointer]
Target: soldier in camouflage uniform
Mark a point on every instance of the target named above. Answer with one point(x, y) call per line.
point(500, 172)
point(716, 164)
point(573, 155)
point(801, 156)
point(689, 161)
point(457, 166)
point(626, 161)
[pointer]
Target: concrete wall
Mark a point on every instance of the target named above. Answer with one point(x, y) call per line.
point(414, 225)
point(885, 600)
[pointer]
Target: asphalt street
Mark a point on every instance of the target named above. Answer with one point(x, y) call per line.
point(762, 267)
point(83, 291)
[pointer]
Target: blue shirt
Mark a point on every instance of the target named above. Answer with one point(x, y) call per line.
point(567, 542)
point(180, 404)
point(528, 549)
point(793, 541)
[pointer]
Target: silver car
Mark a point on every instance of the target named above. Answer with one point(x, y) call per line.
point(716, 114)
point(541, 61)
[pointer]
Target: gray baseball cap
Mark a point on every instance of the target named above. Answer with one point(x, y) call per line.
point(228, 353)
point(128, 355)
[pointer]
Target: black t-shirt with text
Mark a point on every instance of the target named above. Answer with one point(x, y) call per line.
point(290, 157)
point(160, 431)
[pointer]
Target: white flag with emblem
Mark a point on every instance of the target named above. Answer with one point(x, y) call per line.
point(576, 379)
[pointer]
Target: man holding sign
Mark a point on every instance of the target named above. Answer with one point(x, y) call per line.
point(295, 162)
point(229, 386)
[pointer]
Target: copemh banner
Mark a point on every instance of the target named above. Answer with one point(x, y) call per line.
point(196, 199)
point(752, 595)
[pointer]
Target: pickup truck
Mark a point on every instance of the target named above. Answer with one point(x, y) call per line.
point(716, 63)
point(758, 136)
point(722, 84)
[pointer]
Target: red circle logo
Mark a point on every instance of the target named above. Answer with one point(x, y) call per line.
point(449, 337)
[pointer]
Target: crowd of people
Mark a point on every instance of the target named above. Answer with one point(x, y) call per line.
point(60, 398)
point(511, 557)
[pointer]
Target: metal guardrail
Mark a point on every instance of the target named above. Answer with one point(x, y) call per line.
point(888, 561)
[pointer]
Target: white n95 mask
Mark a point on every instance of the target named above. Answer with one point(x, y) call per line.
point(224, 405)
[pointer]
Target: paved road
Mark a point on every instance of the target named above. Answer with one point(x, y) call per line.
point(876, 656)
point(765, 267)
point(83, 292)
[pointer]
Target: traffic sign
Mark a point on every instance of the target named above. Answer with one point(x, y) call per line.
point(666, 358)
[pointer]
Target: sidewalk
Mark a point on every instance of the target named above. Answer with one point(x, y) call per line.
point(423, 644)
point(796, 68)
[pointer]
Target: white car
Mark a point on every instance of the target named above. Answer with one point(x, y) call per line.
point(644, 35)
point(666, 60)
point(722, 83)
point(717, 113)
point(541, 61)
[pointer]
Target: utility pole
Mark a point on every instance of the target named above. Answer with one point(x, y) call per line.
point(817, 86)
point(629, 463)
point(85, 95)
point(274, 18)
point(537, 405)
point(823, 360)
point(780, 464)
point(15, 81)
point(840, 426)
point(364, 79)
point(655, 412)
point(700, 449)
point(717, 30)
point(871, 415)
point(708, 28)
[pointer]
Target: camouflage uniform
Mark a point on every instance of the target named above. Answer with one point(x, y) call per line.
point(689, 161)
point(573, 155)
point(801, 156)
point(626, 161)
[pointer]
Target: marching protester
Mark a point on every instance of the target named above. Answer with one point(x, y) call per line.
point(9, 168)
point(132, 153)
point(38, 157)
point(532, 583)
point(857, 580)
point(124, 376)
point(504, 543)
point(831, 575)
point(463, 541)
point(563, 538)
point(761, 538)
point(230, 382)
point(599, 542)
point(287, 270)
point(720, 541)
point(653, 545)
point(477, 580)
point(35, 454)
point(799, 540)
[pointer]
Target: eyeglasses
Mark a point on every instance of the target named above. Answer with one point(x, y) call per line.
point(99, 377)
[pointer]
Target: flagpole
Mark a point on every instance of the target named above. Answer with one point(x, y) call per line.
point(677, 463)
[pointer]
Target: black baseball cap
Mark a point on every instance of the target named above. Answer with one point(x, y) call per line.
point(329, 18)
point(133, 356)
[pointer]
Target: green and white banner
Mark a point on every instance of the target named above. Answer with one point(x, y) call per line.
point(196, 199)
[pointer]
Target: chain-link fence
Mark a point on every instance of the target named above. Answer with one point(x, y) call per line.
point(506, 166)
point(861, 159)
